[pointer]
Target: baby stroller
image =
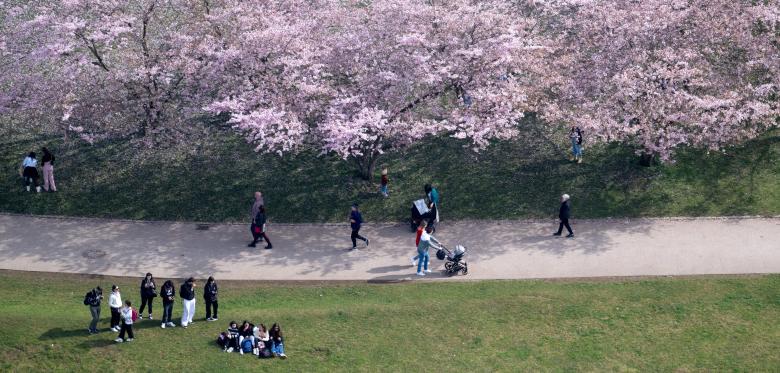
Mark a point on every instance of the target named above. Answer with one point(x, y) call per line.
point(455, 262)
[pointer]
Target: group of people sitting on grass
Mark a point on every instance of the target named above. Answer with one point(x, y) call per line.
point(251, 339)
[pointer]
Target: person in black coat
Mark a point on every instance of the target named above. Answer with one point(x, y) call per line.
point(258, 228)
point(93, 300)
point(168, 295)
point(210, 296)
point(148, 293)
point(563, 214)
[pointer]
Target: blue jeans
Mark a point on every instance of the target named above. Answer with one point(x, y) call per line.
point(576, 148)
point(423, 257)
point(277, 348)
point(383, 189)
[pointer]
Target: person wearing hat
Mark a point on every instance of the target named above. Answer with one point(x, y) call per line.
point(563, 214)
point(355, 221)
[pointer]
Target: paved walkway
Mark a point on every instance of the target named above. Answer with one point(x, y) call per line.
point(497, 250)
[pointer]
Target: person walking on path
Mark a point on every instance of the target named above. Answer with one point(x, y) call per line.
point(48, 171)
point(128, 317)
point(210, 296)
point(30, 172)
point(383, 183)
point(420, 231)
point(433, 204)
point(564, 214)
point(148, 293)
point(256, 204)
point(575, 135)
point(426, 242)
point(168, 295)
point(355, 222)
point(115, 303)
point(187, 294)
point(258, 229)
point(93, 300)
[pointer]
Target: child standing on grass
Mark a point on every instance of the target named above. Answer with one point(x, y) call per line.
point(383, 183)
point(128, 314)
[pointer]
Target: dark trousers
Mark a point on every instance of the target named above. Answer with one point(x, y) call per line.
point(210, 304)
point(114, 317)
point(355, 236)
point(144, 302)
point(258, 236)
point(95, 312)
point(126, 328)
point(167, 310)
point(564, 223)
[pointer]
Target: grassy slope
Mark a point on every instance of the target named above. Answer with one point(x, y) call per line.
point(654, 325)
point(214, 181)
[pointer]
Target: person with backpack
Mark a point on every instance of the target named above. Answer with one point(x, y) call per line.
point(258, 229)
point(277, 341)
point(129, 315)
point(168, 295)
point(48, 170)
point(93, 299)
point(575, 135)
point(148, 293)
point(355, 222)
point(115, 304)
point(210, 297)
point(564, 213)
point(246, 337)
point(187, 294)
point(30, 172)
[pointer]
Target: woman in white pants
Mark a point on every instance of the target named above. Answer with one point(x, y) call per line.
point(187, 294)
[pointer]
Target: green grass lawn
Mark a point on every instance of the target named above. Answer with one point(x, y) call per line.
point(684, 324)
point(214, 179)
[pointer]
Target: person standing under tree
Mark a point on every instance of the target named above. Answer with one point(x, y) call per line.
point(187, 294)
point(168, 295)
point(383, 183)
point(355, 222)
point(564, 213)
point(30, 172)
point(93, 300)
point(210, 297)
point(48, 171)
point(575, 135)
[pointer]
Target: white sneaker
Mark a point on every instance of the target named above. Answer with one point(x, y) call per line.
point(118, 340)
point(171, 324)
point(162, 326)
point(230, 349)
point(420, 274)
point(414, 262)
point(28, 188)
point(37, 189)
point(283, 356)
point(428, 271)
point(150, 316)
point(130, 339)
point(241, 351)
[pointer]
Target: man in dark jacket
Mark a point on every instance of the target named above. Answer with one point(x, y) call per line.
point(564, 213)
point(168, 295)
point(187, 294)
point(355, 222)
point(93, 300)
point(210, 296)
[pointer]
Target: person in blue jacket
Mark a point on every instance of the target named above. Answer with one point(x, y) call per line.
point(355, 221)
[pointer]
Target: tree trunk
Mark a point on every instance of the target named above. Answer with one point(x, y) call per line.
point(646, 159)
point(366, 166)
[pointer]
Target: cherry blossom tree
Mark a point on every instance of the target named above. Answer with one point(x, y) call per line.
point(663, 74)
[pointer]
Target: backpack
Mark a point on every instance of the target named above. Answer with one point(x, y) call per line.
point(135, 314)
point(246, 345)
point(222, 339)
point(89, 299)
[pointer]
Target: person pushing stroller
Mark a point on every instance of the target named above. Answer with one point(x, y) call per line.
point(426, 242)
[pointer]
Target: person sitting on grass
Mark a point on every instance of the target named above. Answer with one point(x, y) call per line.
point(261, 338)
point(232, 337)
point(246, 331)
point(277, 341)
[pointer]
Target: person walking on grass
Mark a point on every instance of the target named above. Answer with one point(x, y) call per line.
point(93, 300)
point(355, 222)
point(575, 135)
point(48, 171)
point(148, 293)
point(258, 229)
point(210, 297)
point(187, 294)
point(115, 304)
point(426, 242)
point(420, 231)
point(168, 295)
point(383, 183)
point(30, 172)
point(128, 315)
point(564, 213)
